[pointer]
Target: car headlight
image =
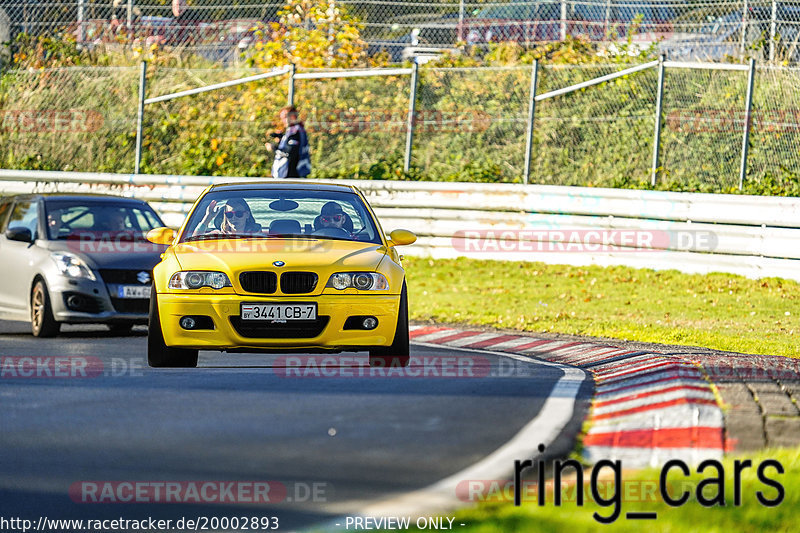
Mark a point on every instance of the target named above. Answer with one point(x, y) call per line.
point(72, 266)
point(363, 281)
point(196, 279)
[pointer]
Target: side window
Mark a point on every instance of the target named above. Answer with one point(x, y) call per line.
point(25, 215)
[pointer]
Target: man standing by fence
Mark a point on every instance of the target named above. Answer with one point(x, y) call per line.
point(292, 158)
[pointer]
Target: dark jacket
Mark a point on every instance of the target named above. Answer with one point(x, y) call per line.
point(292, 158)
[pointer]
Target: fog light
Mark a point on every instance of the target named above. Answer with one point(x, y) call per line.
point(75, 302)
point(370, 322)
point(187, 322)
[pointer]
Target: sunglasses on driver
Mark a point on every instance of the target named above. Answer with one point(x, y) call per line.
point(332, 218)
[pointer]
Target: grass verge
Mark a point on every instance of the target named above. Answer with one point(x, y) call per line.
point(718, 311)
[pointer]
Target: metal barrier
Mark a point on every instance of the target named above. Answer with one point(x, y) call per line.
point(751, 236)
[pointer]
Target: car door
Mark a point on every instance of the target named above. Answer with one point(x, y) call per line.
point(18, 257)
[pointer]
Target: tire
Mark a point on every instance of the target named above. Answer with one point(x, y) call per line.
point(159, 355)
point(120, 328)
point(398, 354)
point(42, 322)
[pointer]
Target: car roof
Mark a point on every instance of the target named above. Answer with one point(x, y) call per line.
point(278, 185)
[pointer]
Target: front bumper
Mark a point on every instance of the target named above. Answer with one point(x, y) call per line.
point(225, 336)
point(99, 306)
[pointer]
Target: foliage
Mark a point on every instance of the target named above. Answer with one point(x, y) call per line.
point(310, 33)
point(470, 123)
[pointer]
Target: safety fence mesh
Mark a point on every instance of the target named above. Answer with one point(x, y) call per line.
point(470, 124)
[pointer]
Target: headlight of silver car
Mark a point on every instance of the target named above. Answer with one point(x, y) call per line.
point(196, 279)
point(363, 281)
point(72, 266)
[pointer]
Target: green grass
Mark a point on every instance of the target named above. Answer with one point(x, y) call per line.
point(691, 517)
point(719, 311)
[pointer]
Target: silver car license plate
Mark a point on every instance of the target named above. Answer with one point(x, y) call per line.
point(279, 311)
point(133, 291)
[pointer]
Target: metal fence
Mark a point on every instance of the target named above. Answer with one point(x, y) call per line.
point(222, 30)
point(592, 125)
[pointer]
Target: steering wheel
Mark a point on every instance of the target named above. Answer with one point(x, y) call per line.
point(332, 232)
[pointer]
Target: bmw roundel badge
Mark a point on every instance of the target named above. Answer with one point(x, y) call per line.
point(278, 263)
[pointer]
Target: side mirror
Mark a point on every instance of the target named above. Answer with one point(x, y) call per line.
point(402, 236)
point(20, 234)
point(161, 236)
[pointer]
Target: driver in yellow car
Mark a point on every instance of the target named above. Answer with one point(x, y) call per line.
point(332, 216)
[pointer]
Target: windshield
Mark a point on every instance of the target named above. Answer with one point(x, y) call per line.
point(87, 219)
point(281, 213)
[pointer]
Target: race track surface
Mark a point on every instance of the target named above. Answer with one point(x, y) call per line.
point(333, 442)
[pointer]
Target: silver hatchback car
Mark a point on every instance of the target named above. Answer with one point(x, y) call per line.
point(76, 259)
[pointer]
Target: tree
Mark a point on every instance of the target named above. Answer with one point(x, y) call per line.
point(310, 33)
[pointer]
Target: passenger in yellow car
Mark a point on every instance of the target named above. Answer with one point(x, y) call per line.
point(237, 219)
point(332, 216)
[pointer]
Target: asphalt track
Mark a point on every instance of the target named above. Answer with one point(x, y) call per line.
point(353, 438)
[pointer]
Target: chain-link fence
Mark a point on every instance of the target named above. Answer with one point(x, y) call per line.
point(470, 124)
point(68, 118)
point(597, 135)
point(222, 30)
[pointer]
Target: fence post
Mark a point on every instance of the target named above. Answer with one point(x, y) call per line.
point(751, 75)
point(461, 20)
point(291, 84)
point(531, 116)
point(657, 130)
point(563, 27)
point(744, 26)
point(772, 30)
point(129, 15)
point(140, 116)
point(81, 22)
point(412, 111)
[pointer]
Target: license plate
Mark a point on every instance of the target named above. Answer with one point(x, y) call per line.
point(133, 291)
point(279, 311)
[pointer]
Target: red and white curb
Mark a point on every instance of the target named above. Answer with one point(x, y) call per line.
point(648, 407)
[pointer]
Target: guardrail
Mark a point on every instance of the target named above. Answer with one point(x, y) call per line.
point(752, 236)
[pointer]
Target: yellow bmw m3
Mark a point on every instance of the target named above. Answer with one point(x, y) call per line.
point(279, 267)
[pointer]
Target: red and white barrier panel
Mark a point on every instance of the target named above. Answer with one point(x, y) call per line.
point(648, 407)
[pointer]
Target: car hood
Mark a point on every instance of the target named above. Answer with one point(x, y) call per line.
point(236, 255)
point(128, 256)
